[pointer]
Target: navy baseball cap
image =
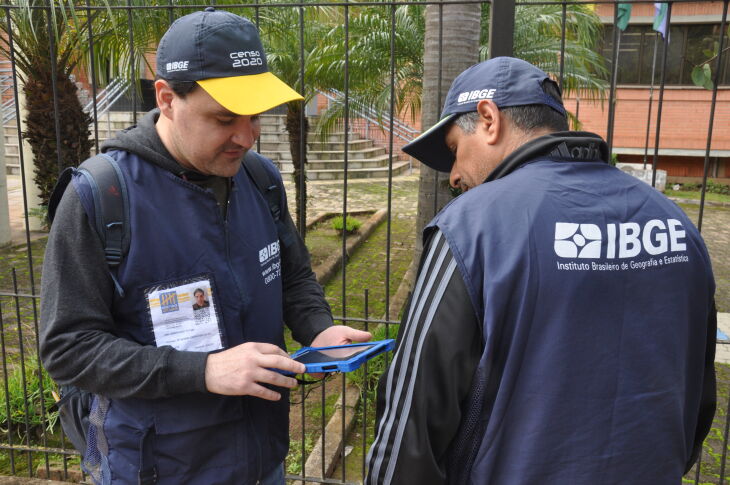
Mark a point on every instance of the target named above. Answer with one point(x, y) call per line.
point(505, 80)
point(223, 53)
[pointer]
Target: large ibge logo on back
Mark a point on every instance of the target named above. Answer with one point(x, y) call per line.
point(624, 240)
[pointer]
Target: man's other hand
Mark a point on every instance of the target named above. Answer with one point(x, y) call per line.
point(340, 335)
point(240, 371)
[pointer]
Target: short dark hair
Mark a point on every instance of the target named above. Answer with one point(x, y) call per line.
point(528, 117)
point(532, 116)
point(181, 88)
point(198, 290)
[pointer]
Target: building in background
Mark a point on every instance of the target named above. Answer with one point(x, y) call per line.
point(694, 33)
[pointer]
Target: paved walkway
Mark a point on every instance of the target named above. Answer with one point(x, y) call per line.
point(15, 207)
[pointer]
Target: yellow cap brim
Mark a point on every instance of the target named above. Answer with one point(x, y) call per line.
point(249, 95)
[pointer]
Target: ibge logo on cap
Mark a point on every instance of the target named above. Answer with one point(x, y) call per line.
point(177, 66)
point(475, 95)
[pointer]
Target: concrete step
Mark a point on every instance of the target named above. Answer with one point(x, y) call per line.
point(325, 155)
point(376, 162)
point(272, 136)
point(283, 145)
point(361, 173)
point(11, 148)
point(351, 154)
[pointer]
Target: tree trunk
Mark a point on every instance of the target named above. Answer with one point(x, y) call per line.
point(460, 49)
point(298, 135)
point(41, 127)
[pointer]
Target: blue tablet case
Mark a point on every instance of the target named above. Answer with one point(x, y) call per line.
point(316, 359)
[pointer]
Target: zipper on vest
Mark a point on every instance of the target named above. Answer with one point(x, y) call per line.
point(226, 236)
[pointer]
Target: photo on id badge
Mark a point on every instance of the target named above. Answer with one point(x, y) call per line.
point(184, 314)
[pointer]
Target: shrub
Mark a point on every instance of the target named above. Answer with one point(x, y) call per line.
point(37, 406)
point(352, 224)
point(712, 187)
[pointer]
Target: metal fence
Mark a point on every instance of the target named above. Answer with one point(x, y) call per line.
point(333, 420)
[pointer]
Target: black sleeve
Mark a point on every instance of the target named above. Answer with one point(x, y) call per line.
point(306, 312)
point(708, 400)
point(421, 393)
point(78, 345)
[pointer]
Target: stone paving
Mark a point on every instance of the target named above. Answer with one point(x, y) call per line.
point(362, 194)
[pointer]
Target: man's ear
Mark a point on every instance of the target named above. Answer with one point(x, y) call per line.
point(490, 120)
point(164, 95)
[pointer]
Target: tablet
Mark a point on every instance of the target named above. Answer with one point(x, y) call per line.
point(341, 358)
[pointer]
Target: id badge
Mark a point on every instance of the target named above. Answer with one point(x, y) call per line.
point(184, 315)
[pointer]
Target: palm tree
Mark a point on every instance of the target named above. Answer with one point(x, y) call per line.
point(57, 37)
point(369, 31)
point(33, 31)
point(451, 43)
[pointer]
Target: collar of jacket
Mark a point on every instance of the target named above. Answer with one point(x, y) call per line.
point(568, 146)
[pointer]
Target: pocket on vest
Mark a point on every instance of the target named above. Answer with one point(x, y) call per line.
point(198, 432)
point(189, 412)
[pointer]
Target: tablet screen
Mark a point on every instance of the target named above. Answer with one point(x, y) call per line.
point(331, 355)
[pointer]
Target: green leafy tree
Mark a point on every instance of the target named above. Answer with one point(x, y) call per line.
point(370, 43)
point(702, 73)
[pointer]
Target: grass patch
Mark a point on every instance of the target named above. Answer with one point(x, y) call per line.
point(712, 448)
point(352, 224)
point(696, 195)
point(366, 270)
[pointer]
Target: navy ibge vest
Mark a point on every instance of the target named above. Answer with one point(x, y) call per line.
point(178, 233)
point(594, 292)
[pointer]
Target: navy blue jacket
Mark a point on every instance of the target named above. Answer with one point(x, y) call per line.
point(93, 338)
point(591, 298)
point(198, 437)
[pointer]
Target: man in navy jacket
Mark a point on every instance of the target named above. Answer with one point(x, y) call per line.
point(562, 326)
point(186, 396)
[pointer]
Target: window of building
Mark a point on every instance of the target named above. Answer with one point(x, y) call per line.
point(689, 46)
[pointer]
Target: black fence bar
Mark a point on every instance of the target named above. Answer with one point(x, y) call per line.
point(303, 129)
point(345, 156)
point(660, 104)
point(21, 349)
point(51, 26)
point(92, 68)
point(364, 397)
point(716, 83)
point(391, 113)
point(501, 28)
point(6, 372)
point(133, 75)
point(439, 103)
point(564, 20)
point(651, 98)
point(614, 76)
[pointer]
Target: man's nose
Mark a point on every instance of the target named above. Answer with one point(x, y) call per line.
point(245, 132)
point(454, 179)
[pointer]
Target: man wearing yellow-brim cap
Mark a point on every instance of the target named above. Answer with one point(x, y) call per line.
point(178, 395)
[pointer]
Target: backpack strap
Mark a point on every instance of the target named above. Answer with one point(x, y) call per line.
point(111, 206)
point(270, 188)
